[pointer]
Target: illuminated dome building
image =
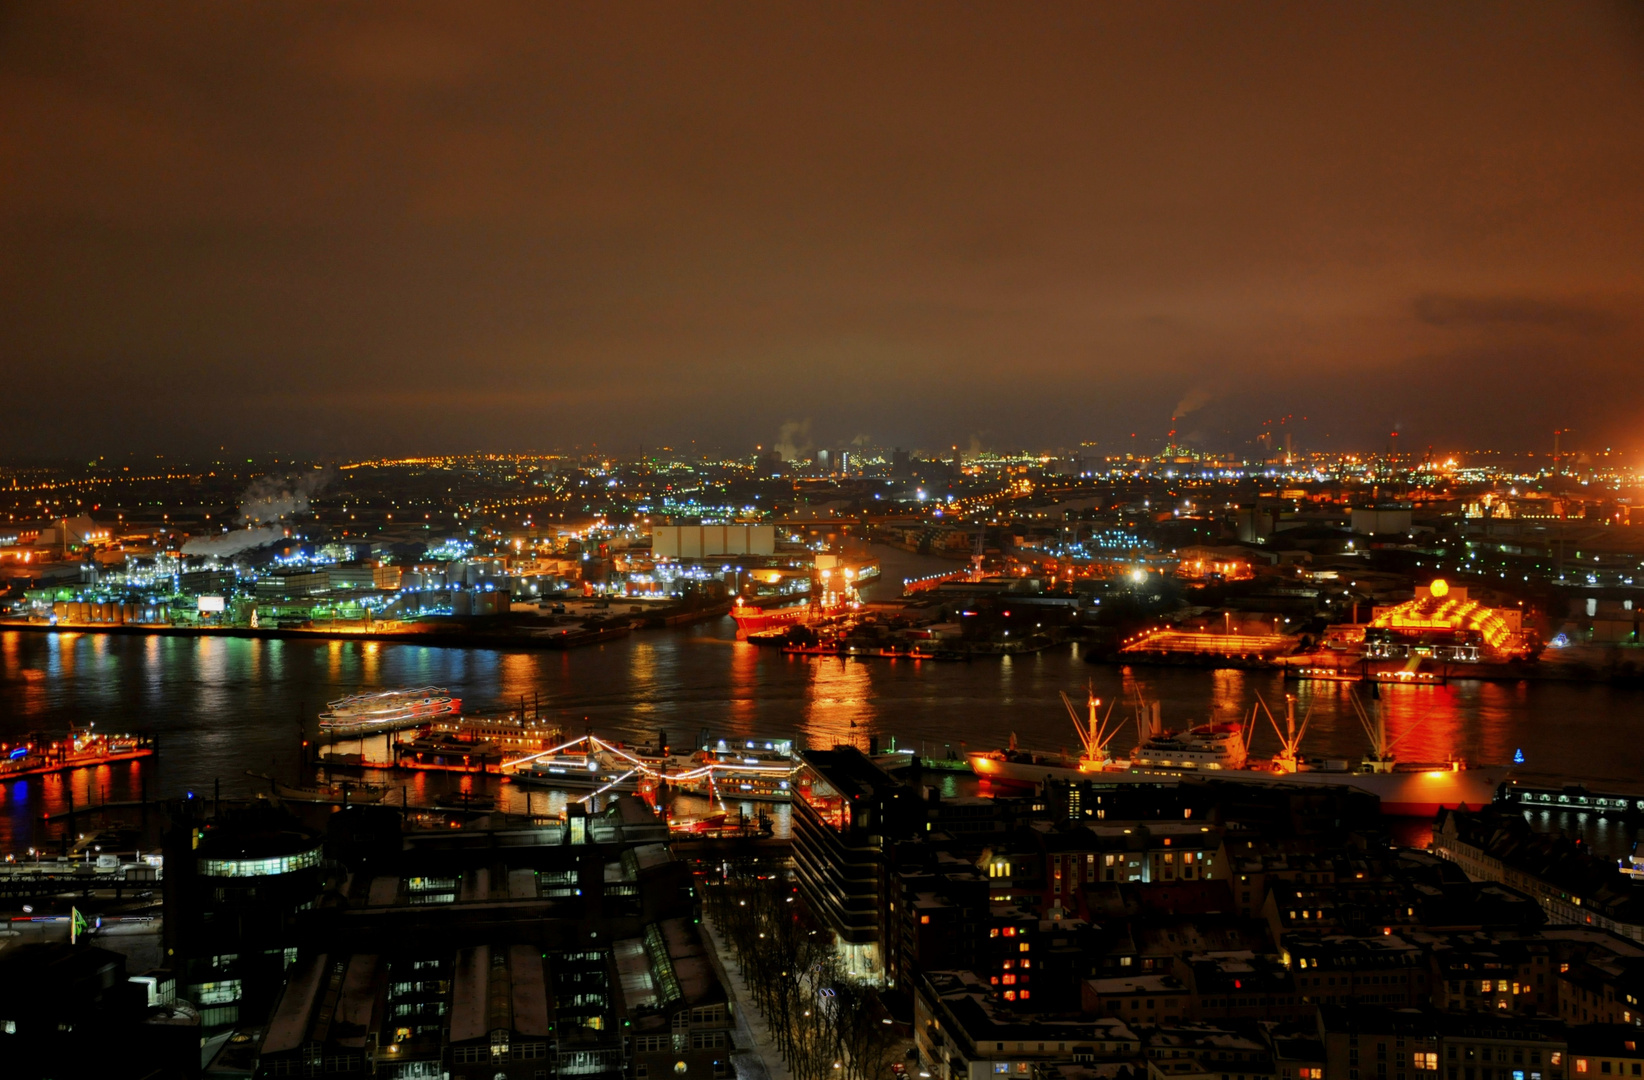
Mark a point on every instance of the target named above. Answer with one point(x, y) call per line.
point(1442, 623)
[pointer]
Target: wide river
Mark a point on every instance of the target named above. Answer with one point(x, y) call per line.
point(224, 706)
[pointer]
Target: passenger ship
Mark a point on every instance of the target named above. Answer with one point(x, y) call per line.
point(754, 770)
point(1221, 752)
point(388, 709)
point(512, 734)
point(568, 770)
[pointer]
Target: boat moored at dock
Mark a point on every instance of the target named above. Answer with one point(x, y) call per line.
point(79, 749)
point(1220, 751)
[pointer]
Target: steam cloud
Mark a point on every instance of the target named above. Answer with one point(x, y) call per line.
point(793, 442)
point(1193, 402)
point(232, 543)
point(269, 499)
point(273, 498)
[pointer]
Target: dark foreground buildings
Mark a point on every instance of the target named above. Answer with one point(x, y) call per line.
point(553, 949)
point(1215, 930)
point(1185, 931)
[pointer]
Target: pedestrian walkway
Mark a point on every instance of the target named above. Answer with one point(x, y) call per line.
point(753, 1036)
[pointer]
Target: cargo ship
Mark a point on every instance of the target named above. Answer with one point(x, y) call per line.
point(1220, 751)
point(387, 710)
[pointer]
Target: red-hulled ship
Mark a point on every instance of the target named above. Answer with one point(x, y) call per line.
point(751, 619)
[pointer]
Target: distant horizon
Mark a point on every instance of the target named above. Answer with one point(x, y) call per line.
point(1094, 451)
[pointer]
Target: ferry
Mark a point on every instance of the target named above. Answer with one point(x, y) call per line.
point(572, 771)
point(513, 734)
point(387, 709)
point(738, 769)
point(756, 770)
point(1220, 752)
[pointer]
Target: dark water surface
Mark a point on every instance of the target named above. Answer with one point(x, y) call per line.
point(225, 706)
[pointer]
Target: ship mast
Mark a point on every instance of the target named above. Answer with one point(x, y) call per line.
point(1381, 757)
point(1288, 759)
point(1093, 732)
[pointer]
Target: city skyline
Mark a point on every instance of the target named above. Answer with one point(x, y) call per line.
point(388, 231)
point(841, 542)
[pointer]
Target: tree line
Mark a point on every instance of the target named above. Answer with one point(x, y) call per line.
point(826, 1026)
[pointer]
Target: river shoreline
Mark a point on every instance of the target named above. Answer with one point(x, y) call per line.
point(456, 638)
point(482, 637)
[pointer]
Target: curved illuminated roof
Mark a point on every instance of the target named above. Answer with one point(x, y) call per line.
point(1440, 611)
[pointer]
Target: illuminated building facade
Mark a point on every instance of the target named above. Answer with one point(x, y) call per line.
point(847, 818)
point(1443, 623)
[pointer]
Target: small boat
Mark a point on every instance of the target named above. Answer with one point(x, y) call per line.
point(330, 791)
point(466, 800)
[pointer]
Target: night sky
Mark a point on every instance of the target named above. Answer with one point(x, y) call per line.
point(358, 229)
